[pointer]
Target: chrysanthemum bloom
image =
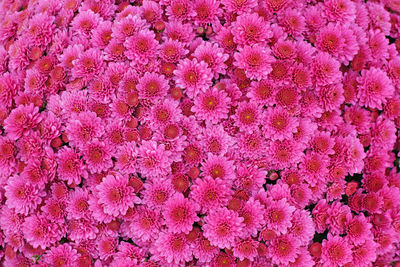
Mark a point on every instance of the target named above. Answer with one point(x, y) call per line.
point(343, 11)
point(41, 30)
point(54, 209)
point(141, 47)
point(262, 92)
point(279, 124)
point(214, 56)
point(70, 166)
point(154, 160)
point(302, 227)
point(255, 60)
point(171, 50)
point(126, 156)
point(21, 120)
point(365, 253)
point(152, 86)
point(163, 113)
point(98, 211)
point(193, 76)
point(253, 214)
point(374, 88)
point(238, 6)
point(210, 193)
point(335, 251)
point(326, 69)
point(84, 128)
point(180, 214)
point(207, 12)
point(127, 255)
point(78, 204)
point(157, 193)
point(172, 248)
point(284, 154)
point(22, 196)
point(88, 64)
point(216, 140)
point(146, 224)
point(284, 249)
point(245, 249)
point(211, 105)
point(39, 231)
point(97, 155)
point(218, 167)
point(116, 195)
point(358, 229)
point(250, 29)
point(314, 167)
point(180, 10)
point(222, 227)
point(247, 116)
point(278, 215)
point(106, 245)
point(62, 255)
point(203, 250)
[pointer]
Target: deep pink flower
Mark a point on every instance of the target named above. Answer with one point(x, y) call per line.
point(284, 249)
point(250, 29)
point(180, 214)
point(21, 120)
point(255, 60)
point(116, 195)
point(62, 255)
point(335, 251)
point(222, 227)
point(279, 124)
point(172, 248)
point(211, 105)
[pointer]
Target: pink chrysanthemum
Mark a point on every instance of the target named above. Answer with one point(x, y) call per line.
point(214, 56)
point(326, 69)
point(70, 166)
point(62, 255)
point(284, 250)
point(116, 195)
point(253, 214)
point(279, 124)
point(314, 167)
point(22, 196)
point(146, 224)
point(374, 88)
point(247, 116)
point(251, 145)
point(206, 12)
point(343, 11)
point(39, 231)
point(34, 174)
point(250, 29)
point(358, 230)
point(245, 249)
point(255, 60)
point(88, 64)
point(218, 167)
point(154, 160)
point(180, 10)
point(126, 156)
point(21, 120)
point(211, 105)
point(302, 227)
point(171, 50)
point(41, 30)
point(157, 192)
point(180, 214)
point(216, 140)
point(141, 47)
point(173, 249)
point(152, 86)
point(203, 250)
point(164, 112)
point(97, 155)
point(78, 204)
point(193, 76)
point(284, 153)
point(364, 254)
point(222, 227)
point(278, 215)
point(106, 245)
point(335, 251)
point(83, 128)
point(262, 92)
point(210, 193)
point(239, 6)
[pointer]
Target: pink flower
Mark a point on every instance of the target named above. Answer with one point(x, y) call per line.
point(106, 245)
point(180, 10)
point(41, 30)
point(22, 196)
point(364, 253)
point(210, 193)
point(203, 250)
point(222, 227)
point(39, 231)
point(141, 47)
point(245, 249)
point(358, 229)
point(252, 213)
point(214, 56)
point(279, 124)
point(247, 116)
point(284, 249)
point(152, 86)
point(250, 29)
point(21, 120)
point(302, 227)
point(218, 167)
point(116, 195)
point(278, 215)
point(172, 50)
point(97, 155)
point(239, 7)
point(126, 156)
point(77, 204)
point(70, 166)
point(255, 60)
point(157, 193)
point(180, 214)
point(314, 167)
point(374, 88)
point(193, 76)
point(335, 251)
point(211, 105)
point(88, 64)
point(83, 128)
point(340, 10)
point(154, 160)
point(172, 248)
point(146, 224)
point(326, 69)
point(62, 255)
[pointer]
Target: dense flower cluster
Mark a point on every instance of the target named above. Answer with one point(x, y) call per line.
point(199, 133)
